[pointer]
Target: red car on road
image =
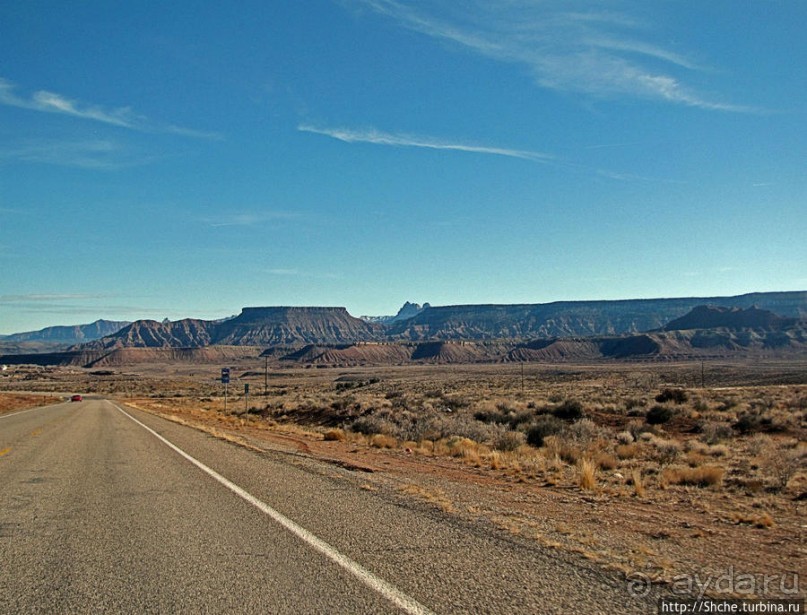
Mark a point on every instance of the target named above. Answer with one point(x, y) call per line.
point(76, 398)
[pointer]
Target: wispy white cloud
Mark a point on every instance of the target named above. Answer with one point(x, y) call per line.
point(567, 46)
point(56, 103)
point(297, 273)
point(633, 177)
point(289, 272)
point(378, 137)
point(711, 272)
point(638, 48)
point(98, 154)
point(84, 306)
point(48, 297)
point(124, 117)
point(248, 218)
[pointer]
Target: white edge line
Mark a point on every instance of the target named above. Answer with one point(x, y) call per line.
point(390, 592)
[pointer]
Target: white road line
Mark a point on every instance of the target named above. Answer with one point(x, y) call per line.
point(390, 592)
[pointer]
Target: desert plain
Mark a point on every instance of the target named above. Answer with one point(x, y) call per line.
point(689, 476)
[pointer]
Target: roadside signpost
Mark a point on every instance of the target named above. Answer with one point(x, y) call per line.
point(225, 380)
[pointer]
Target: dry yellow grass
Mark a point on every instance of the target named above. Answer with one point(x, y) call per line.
point(461, 447)
point(587, 477)
point(757, 519)
point(435, 497)
point(382, 441)
point(606, 461)
point(12, 401)
point(704, 476)
point(638, 483)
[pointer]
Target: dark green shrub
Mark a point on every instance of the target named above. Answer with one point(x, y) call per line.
point(633, 402)
point(569, 410)
point(369, 425)
point(507, 440)
point(748, 422)
point(712, 432)
point(677, 396)
point(492, 416)
point(658, 415)
point(521, 418)
point(455, 402)
point(543, 427)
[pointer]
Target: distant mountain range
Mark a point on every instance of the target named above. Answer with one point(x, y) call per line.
point(298, 326)
point(576, 318)
point(56, 338)
point(563, 330)
point(70, 335)
point(704, 332)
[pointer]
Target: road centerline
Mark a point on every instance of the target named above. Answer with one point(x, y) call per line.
point(377, 584)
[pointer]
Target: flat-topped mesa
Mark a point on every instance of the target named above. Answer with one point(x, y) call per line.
point(712, 317)
point(267, 326)
point(285, 313)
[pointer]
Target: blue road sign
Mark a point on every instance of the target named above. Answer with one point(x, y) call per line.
point(225, 375)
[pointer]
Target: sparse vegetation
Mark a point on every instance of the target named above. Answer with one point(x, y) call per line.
point(735, 453)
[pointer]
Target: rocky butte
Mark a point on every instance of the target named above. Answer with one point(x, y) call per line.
point(283, 326)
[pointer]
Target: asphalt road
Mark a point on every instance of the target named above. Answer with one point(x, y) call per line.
point(108, 509)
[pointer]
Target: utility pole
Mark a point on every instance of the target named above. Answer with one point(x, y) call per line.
point(265, 375)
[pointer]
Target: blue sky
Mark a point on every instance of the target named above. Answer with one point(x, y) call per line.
point(187, 159)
